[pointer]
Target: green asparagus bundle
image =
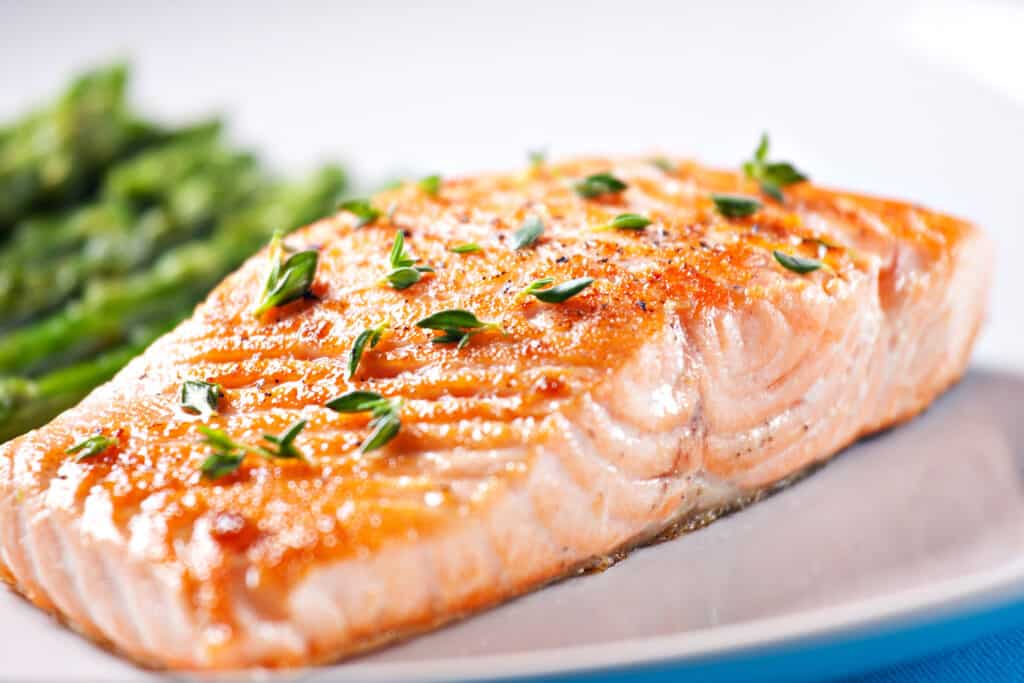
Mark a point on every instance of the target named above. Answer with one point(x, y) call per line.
point(110, 307)
point(56, 155)
point(166, 196)
point(27, 403)
point(111, 230)
point(138, 181)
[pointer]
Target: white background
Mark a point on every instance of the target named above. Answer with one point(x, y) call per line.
point(923, 101)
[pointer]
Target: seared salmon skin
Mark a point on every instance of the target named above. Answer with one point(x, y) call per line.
point(692, 343)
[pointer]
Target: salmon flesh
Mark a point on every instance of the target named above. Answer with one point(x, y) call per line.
point(696, 371)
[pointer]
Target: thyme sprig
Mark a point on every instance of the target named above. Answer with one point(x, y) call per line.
point(288, 278)
point(772, 176)
point(369, 337)
point(229, 454)
point(457, 326)
point(385, 413)
point(561, 293)
point(404, 272)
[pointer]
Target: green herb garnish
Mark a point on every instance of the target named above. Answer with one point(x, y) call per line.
point(368, 337)
point(404, 273)
point(431, 185)
point(355, 402)
point(558, 293)
point(663, 164)
point(92, 446)
point(403, 278)
point(288, 279)
point(771, 175)
point(221, 463)
point(627, 221)
point(599, 184)
point(457, 325)
point(797, 264)
point(200, 397)
point(362, 209)
point(219, 439)
point(538, 157)
point(735, 205)
point(467, 248)
point(286, 449)
point(528, 233)
point(386, 415)
point(228, 454)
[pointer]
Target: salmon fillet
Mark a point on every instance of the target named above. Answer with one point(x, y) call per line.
point(696, 372)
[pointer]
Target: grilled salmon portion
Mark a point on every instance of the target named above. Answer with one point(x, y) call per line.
point(711, 359)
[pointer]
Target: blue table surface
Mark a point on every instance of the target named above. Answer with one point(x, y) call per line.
point(984, 642)
point(998, 657)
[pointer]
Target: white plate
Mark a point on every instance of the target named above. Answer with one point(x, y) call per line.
point(924, 101)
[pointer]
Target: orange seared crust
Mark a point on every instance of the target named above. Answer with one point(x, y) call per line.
point(272, 523)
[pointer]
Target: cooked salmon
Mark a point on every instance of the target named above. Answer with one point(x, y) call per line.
point(692, 352)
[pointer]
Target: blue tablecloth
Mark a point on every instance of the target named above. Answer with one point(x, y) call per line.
point(979, 644)
point(996, 658)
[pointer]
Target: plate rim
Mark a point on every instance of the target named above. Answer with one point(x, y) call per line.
point(936, 602)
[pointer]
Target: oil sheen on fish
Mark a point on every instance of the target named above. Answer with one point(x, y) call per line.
point(696, 371)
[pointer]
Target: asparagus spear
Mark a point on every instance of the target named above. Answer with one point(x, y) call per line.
point(190, 185)
point(139, 181)
point(146, 177)
point(27, 403)
point(180, 277)
point(54, 156)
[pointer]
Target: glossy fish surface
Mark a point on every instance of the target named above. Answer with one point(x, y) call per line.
point(711, 358)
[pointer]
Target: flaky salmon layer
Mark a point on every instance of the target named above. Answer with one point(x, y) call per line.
point(694, 373)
